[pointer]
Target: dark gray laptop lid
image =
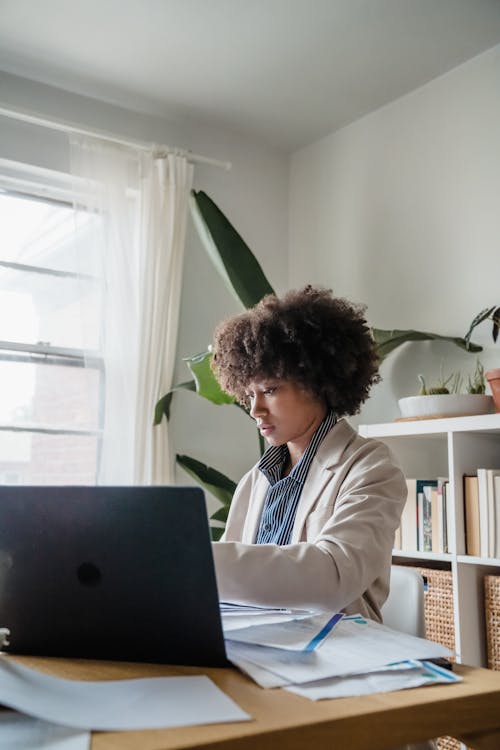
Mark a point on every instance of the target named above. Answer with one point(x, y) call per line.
point(109, 573)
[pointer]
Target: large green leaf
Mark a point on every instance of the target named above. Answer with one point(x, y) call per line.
point(492, 313)
point(163, 406)
point(228, 251)
point(210, 479)
point(220, 514)
point(216, 532)
point(214, 482)
point(388, 340)
point(206, 383)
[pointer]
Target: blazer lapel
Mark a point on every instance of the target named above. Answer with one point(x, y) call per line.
point(252, 519)
point(327, 458)
point(316, 479)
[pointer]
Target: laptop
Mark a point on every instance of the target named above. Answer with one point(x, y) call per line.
point(109, 573)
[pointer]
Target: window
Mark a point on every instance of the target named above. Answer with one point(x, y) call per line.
point(51, 372)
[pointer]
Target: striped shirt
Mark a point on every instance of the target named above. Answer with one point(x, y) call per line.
point(284, 493)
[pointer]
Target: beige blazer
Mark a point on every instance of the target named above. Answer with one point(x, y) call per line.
point(340, 553)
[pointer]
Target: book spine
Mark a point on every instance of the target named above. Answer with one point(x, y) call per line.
point(496, 490)
point(409, 518)
point(482, 488)
point(423, 489)
point(472, 518)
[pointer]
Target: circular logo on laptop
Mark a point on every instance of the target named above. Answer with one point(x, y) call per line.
point(88, 574)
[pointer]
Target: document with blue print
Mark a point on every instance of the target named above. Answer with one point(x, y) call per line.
point(401, 676)
point(292, 633)
point(355, 646)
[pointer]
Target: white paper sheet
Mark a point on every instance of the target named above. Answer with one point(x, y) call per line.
point(303, 634)
point(236, 616)
point(260, 675)
point(19, 732)
point(149, 703)
point(355, 646)
point(236, 608)
point(240, 621)
point(396, 677)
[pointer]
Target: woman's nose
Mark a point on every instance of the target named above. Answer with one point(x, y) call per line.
point(257, 407)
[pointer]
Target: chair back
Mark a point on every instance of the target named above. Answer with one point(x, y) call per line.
point(403, 609)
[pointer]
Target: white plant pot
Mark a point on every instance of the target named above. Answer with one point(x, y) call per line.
point(445, 405)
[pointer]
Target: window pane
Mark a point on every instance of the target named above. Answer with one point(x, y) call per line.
point(41, 233)
point(49, 295)
point(58, 310)
point(31, 458)
point(48, 395)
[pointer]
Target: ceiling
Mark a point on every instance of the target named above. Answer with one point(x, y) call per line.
point(286, 72)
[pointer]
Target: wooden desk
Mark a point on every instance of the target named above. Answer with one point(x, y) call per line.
point(469, 710)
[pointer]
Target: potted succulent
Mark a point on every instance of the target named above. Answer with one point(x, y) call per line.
point(492, 376)
point(449, 398)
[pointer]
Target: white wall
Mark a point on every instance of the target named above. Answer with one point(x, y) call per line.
point(254, 196)
point(401, 211)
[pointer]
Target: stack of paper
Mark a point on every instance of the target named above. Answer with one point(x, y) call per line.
point(323, 656)
point(54, 703)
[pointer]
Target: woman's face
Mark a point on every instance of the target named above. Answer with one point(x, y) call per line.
point(284, 411)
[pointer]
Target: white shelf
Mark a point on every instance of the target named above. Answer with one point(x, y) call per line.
point(482, 423)
point(450, 447)
point(425, 556)
point(490, 562)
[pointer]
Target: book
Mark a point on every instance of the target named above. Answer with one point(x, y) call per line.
point(488, 520)
point(440, 513)
point(447, 510)
point(424, 524)
point(409, 518)
point(426, 538)
point(436, 520)
point(496, 489)
point(472, 521)
point(482, 491)
point(493, 536)
point(491, 513)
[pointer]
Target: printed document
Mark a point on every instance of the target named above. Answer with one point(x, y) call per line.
point(355, 646)
point(149, 703)
point(301, 634)
point(408, 674)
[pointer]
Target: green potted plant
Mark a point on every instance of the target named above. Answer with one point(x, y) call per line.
point(492, 376)
point(449, 397)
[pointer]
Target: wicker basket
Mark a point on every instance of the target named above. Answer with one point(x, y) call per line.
point(492, 614)
point(438, 602)
point(448, 743)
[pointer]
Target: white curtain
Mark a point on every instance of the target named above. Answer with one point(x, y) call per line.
point(141, 201)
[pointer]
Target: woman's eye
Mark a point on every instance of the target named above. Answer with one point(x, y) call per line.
point(269, 391)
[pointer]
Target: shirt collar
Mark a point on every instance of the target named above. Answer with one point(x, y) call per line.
point(272, 462)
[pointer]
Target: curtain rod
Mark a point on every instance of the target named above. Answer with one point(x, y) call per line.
point(44, 122)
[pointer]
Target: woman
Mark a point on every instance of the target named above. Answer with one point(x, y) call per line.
point(312, 523)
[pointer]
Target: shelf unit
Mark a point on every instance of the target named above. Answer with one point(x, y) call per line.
point(450, 447)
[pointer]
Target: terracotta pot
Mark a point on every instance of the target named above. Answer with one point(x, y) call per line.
point(493, 378)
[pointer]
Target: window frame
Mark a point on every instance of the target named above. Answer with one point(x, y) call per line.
point(53, 188)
